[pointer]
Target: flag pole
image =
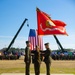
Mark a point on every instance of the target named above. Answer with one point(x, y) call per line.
point(58, 43)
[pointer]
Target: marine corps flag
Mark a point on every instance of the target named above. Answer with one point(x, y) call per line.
point(47, 26)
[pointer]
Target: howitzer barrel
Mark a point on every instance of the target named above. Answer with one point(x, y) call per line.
point(58, 43)
point(16, 35)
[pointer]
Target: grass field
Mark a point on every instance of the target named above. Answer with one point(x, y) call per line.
point(18, 66)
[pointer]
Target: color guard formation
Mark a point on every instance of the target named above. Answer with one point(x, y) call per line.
point(37, 56)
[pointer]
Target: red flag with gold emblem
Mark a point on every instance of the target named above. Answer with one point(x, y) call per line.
point(47, 26)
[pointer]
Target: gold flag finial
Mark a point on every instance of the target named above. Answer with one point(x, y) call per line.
point(37, 9)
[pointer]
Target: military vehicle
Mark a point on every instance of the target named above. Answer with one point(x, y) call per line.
point(5, 54)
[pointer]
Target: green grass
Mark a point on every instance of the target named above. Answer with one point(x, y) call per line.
point(63, 70)
point(43, 70)
point(53, 70)
point(18, 66)
point(12, 70)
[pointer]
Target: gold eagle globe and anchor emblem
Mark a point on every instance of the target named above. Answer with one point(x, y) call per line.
point(49, 23)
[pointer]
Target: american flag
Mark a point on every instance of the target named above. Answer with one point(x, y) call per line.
point(35, 39)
